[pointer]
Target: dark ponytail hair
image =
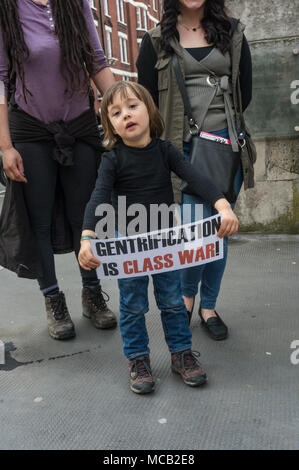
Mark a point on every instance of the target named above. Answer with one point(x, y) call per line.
point(215, 23)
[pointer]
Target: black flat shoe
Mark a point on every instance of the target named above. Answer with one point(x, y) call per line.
point(216, 328)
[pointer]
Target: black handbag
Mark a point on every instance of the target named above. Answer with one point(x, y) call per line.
point(215, 160)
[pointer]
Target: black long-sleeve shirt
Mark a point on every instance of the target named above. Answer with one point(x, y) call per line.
point(143, 175)
point(148, 75)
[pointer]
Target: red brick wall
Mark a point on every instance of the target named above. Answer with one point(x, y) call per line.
point(129, 29)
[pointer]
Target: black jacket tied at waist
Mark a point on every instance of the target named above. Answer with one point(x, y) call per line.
point(63, 151)
point(17, 240)
point(26, 128)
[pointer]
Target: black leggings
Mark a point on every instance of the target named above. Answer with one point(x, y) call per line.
point(77, 182)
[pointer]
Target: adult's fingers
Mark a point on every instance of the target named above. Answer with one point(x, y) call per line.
point(13, 165)
point(20, 168)
point(14, 174)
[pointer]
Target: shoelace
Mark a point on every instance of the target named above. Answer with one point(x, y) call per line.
point(97, 298)
point(141, 367)
point(189, 359)
point(59, 307)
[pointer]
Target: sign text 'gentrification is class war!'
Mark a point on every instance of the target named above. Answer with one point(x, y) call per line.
point(159, 251)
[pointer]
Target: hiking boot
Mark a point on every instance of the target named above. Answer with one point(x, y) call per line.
point(187, 365)
point(141, 379)
point(95, 308)
point(59, 321)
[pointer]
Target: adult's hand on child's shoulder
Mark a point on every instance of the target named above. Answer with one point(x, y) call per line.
point(86, 259)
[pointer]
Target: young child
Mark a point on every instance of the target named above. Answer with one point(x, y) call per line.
point(139, 168)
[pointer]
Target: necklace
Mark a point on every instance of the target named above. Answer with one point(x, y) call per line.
point(187, 27)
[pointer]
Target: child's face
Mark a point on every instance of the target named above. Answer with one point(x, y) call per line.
point(130, 120)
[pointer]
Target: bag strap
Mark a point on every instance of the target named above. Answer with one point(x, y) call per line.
point(194, 128)
point(242, 130)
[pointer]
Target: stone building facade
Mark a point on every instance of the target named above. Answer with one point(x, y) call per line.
point(272, 28)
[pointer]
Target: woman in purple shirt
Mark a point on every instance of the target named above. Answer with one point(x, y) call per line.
point(49, 50)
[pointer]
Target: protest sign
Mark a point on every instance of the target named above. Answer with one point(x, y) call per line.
point(163, 250)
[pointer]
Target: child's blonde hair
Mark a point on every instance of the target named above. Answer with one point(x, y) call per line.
point(155, 119)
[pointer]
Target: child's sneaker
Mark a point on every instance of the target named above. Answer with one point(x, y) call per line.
point(187, 365)
point(141, 379)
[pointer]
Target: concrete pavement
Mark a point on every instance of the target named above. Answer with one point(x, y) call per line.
point(75, 394)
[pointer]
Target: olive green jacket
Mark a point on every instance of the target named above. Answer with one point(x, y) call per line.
point(172, 108)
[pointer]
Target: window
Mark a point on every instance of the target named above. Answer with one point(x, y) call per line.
point(141, 18)
point(120, 11)
point(106, 8)
point(117, 10)
point(109, 42)
point(145, 19)
point(154, 5)
point(139, 22)
point(123, 48)
point(91, 3)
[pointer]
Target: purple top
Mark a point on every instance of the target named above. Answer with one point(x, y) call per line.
point(43, 78)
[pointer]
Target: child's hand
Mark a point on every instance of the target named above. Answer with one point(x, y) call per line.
point(230, 223)
point(86, 259)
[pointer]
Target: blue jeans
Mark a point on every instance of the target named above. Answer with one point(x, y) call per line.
point(134, 305)
point(210, 275)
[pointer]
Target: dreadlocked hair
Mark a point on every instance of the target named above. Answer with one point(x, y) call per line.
point(77, 54)
point(215, 23)
point(13, 40)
